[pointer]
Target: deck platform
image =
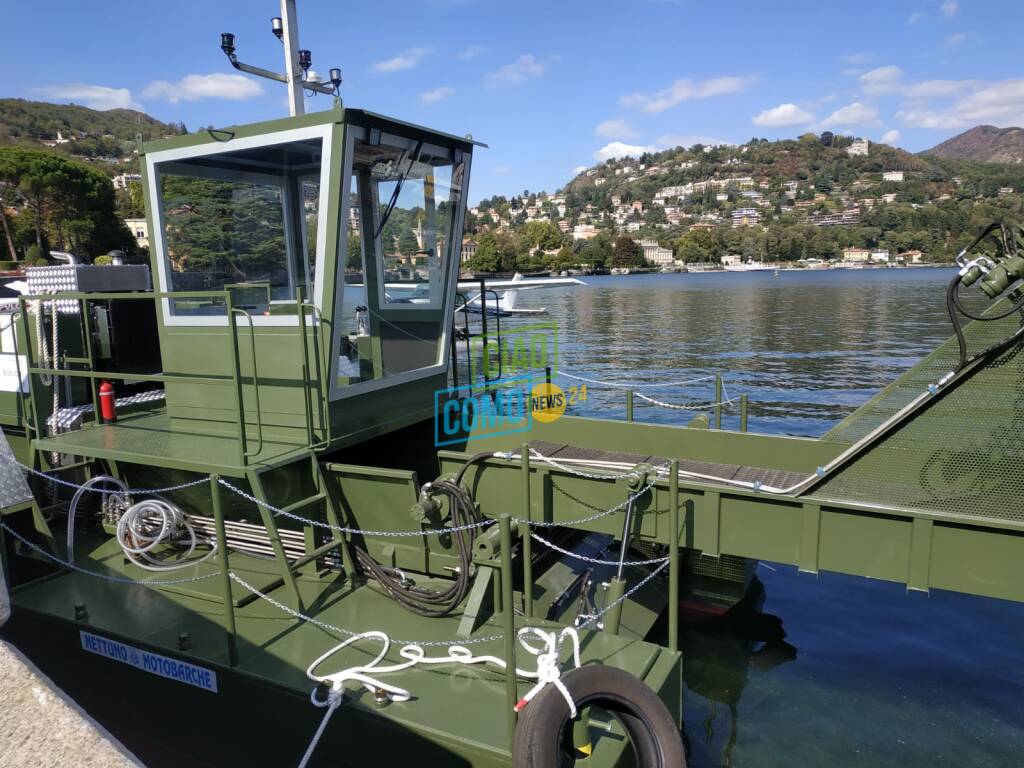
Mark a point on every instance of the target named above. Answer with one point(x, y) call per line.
point(275, 648)
point(148, 438)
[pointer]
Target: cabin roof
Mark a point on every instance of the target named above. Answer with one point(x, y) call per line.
point(213, 135)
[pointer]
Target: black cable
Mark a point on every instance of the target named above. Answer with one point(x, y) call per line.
point(955, 307)
point(423, 600)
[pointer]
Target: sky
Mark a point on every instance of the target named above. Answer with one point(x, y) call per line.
point(551, 86)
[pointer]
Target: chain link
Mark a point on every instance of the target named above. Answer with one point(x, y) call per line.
point(595, 617)
point(626, 385)
point(356, 531)
point(594, 560)
point(116, 579)
point(686, 406)
point(130, 491)
point(341, 630)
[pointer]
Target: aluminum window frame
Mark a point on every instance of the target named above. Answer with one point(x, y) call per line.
point(157, 160)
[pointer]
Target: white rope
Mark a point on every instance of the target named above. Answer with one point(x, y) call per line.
point(634, 385)
point(116, 579)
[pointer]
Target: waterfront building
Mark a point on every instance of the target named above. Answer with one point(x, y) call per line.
point(856, 255)
point(468, 250)
point(655, 253)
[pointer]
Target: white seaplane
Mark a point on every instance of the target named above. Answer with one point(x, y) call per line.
point(498, 297)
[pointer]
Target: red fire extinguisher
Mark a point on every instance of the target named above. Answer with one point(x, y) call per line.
point(108, 405)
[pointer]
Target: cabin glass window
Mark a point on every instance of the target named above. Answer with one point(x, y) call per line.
point(243, 222)
point(404, 200)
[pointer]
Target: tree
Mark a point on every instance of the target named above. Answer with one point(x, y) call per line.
point(627, 253)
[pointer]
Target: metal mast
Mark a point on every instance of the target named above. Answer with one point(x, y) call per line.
point(298, 75)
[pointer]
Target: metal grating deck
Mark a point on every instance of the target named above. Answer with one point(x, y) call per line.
point(768, 476)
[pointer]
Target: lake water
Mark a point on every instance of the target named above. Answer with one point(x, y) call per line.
point(868, 674)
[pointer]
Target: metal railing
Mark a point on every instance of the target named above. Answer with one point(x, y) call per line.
point(234, 379)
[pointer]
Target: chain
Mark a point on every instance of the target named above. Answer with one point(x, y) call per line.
point(592, 619)
point(356, 531)
point(581, 520)
point(621, 385)
point(116, 579)
point(341, 630)
point(594, 560)
point(687, 406)
point(129, 491)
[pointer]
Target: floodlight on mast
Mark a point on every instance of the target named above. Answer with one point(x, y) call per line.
point(298, 75)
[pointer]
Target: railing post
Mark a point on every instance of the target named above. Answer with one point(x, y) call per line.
point(673, 556)
point(225, 568)
point(508, 625)
point(525, 531)
point(743, 413)
point(83, 305)
point(236, 374)
point(629, 405)
point(718, 401)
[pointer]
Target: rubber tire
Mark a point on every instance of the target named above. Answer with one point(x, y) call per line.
point(649, 725)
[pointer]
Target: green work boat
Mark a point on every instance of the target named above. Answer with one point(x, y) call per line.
point(249, 510)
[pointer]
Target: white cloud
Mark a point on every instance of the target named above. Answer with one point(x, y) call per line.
point(95, 96)
point(881, 79)
point(950, 7)
point(934, 89)
point(615, 129)
point(619, 149)
point(197, 87)
point(670, 140)
point(526, 66)
point(1000, 104)
point(891, 137)
point(783, 115)
point(914, 18)
point(852, 114)
point(406, 59)
point(578, 170)
point(684, 90)
point(956, 39)
point(437, 94)
point(855, 58)
point(471, 52)
point(851, 71)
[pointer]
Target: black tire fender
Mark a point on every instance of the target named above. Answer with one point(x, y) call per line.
point(651, 729)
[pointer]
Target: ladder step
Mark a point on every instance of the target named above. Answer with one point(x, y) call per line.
point(307, 502)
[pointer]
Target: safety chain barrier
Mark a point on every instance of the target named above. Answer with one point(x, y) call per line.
point(117, 579)
point(594, 560)
point(341, 630)
point(686, 406)
point(128, 491)
point(626, 385)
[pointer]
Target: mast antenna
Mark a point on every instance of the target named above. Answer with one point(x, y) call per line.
point(299, 76)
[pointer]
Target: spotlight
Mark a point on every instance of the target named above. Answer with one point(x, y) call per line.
point(277, 27)
point(335, 75)
point(227, 43)
point(305, 59)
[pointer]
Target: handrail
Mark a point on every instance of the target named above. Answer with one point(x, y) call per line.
point(255, 384)
point(301, 307)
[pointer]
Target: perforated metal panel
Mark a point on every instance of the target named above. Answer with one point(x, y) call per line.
point(964, 454)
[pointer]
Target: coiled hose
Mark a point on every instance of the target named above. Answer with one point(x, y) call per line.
point(148, 524)
point(423, 600)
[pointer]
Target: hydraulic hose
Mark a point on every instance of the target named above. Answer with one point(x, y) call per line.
point(423, 600)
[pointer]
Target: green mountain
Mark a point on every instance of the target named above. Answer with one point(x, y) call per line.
point(787, 200)
point(983, 143)
point(89, 133)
